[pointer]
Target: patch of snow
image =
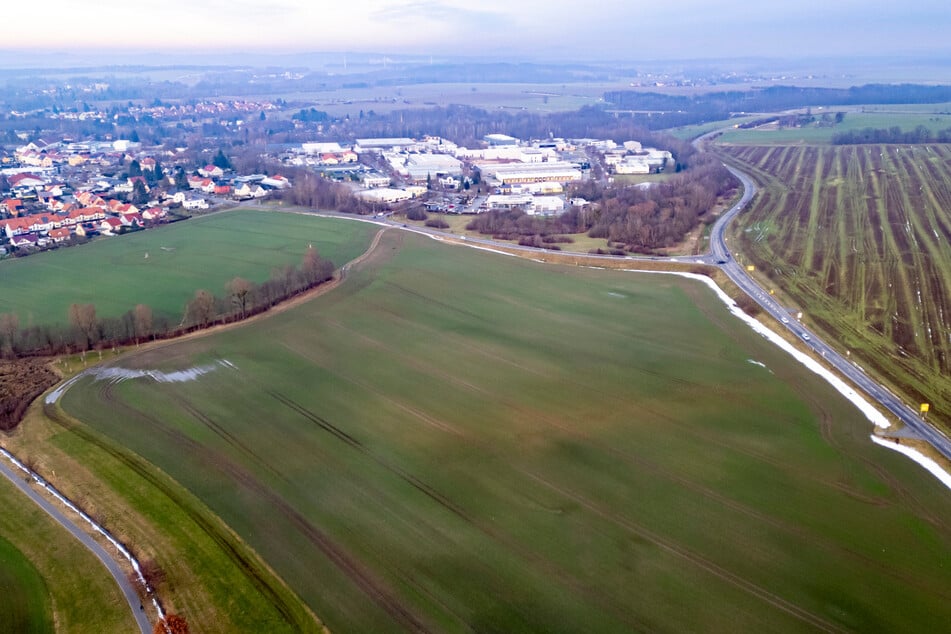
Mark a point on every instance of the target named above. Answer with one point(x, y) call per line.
point(55, 395)
point(759, 363)
point(117, 374)
point(930, 465)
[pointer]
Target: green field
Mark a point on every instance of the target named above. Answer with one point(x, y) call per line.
point(24, 606)
point(47, 577)
point(689, 132)
point(205, 252)
point(857, 236)
point(814, 135)
point(455, 441)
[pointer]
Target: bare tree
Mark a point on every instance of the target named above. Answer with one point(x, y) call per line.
point(83, 318)
point(9, 324)
point(239, 289)
point(142, 316)
point(315, 268)
point(201, 310)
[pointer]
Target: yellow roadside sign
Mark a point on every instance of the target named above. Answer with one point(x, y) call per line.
point(751, 268)
point(925, 407)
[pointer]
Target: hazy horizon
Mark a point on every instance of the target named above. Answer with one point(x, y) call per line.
point(530, 30)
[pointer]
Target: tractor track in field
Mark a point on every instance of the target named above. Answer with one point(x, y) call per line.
point(230, 439)
point(543, 563)
point(643, 464)
point(141, 467)
point(371, 587)
point(701, 562)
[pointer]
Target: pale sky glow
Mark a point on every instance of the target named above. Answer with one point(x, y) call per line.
point(603, 29)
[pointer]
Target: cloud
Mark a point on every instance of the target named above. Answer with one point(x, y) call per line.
point(448, 14)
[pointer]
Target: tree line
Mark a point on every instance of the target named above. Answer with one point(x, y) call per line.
point(894, 134)
point(658, 110)
point(86, 330)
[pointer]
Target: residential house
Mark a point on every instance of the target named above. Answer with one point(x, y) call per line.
point(59, 235)
point(132, 220)
point(25, 180)
point(211, 171)
point(13, 206)
point(25, 241)
point(247, 191)
point(276, 182)
point(111, 226)
point(195, 203)
point(154, 214)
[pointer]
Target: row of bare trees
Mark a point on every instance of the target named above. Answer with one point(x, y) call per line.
point(86, 330)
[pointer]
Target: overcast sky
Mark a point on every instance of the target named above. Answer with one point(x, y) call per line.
point(535, 29)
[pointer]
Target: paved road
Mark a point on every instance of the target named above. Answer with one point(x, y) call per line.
point(17, 478)
point(845, 366)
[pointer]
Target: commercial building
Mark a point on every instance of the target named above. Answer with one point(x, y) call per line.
point(518, 173)
point(495, 140)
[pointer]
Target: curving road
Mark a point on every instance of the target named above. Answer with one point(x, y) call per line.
point(131, 597)
point(845, 367)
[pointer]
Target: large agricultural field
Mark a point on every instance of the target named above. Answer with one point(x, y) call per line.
point(857, 237)
point(163, 267)
point(453, 440)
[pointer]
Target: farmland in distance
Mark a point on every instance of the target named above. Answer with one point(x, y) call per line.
point(453, 441)
point(857, 237)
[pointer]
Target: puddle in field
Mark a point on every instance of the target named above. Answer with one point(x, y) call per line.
point(117, 374)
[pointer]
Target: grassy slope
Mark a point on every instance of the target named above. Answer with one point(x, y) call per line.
point(204, 252)
point(857, 236)
point(48, 577)
point(457, 440)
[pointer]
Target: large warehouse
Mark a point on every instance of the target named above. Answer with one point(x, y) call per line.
point(515, 173)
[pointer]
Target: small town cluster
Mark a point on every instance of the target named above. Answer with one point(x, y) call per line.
point(63, 191)
point(56, 192)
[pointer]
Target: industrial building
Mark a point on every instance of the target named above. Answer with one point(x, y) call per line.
point(517, 173)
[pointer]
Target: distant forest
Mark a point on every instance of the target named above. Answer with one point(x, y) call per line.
point(894, 134)
point(658, 111)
